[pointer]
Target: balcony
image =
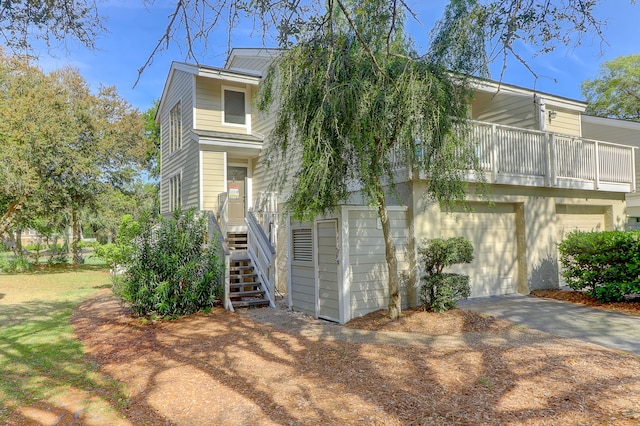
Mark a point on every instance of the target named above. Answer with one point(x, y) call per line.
point(515, 156)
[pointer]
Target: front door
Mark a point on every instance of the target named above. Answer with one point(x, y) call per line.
point(328, 289)
point(236, 177)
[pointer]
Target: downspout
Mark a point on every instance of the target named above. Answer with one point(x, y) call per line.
point(542, 112)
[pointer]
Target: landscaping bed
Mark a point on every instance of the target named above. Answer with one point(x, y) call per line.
point(270, 366)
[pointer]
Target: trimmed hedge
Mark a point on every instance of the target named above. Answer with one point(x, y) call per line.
point(605, 264)
point(441, 291)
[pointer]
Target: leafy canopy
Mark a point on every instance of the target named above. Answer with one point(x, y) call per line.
point(615, 92)
point(62, 145)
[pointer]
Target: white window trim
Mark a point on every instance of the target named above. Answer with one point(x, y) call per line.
point(247, 108)
point(171, 129)
point(172, 206)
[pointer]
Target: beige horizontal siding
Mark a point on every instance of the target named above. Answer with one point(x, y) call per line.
point(209, 105)
point(213, 182)
point(367, 264)
point(564, 122)
point(505, 109)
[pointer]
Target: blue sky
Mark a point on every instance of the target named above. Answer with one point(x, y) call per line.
point(134, 29)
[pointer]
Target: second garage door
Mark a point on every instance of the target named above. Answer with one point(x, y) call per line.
point(492, 231)
point(576, 217)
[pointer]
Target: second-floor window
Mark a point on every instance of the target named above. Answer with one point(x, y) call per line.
point(175, 192)
point(234, 112)
point(175, 135)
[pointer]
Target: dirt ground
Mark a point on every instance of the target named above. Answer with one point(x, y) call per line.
point(273, 367)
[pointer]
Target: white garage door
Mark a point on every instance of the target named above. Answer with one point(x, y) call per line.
point(492, 231)
point(567, 222)
point(571, 218)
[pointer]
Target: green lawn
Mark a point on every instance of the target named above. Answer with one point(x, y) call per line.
point(42, 365)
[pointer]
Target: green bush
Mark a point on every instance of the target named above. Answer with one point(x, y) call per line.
point(171, 272)
point(441, 291)
point(604, 264)
point(58, 256)
point(119, 253)
point(18, 264)
point(444, 290)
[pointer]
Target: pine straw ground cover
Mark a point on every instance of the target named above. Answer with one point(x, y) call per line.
point(268, 367)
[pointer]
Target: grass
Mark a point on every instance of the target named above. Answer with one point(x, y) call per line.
point(41, 361)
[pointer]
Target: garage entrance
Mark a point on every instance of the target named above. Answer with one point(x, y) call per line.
point(492, 231)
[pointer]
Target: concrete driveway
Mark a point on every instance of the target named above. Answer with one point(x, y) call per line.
point(610, 329)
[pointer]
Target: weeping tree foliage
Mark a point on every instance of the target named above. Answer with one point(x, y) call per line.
point(500, 25)
point(357, 102)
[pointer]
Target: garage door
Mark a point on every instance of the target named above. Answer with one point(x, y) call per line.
point(571, 218)
point(492, 231)
point(583, 218)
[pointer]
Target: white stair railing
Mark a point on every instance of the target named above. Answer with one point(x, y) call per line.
point(217, 240)
point(262, 254)
point(265, 209)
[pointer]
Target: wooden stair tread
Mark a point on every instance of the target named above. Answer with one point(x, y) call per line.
point(250, 303)
point(250, 275)
point(233, 294)
point(245, 289)
point(243, 285)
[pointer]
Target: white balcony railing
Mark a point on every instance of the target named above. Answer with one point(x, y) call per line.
point(515, 156)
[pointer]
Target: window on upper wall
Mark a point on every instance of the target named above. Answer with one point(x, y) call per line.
point(234, 112)
point(175, 192)
point(175, 131)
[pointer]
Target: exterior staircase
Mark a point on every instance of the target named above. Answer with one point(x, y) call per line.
point(237, 240)
point(245, 288)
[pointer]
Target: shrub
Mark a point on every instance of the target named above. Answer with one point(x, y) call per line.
point(171, 271)
point(18, 264)
point(444, 290)
point(58, 256)
point(441, 291)
point(117, 254)
point(35, 250)
point(604, 264)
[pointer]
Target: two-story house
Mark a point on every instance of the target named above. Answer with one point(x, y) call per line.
point(550, 170)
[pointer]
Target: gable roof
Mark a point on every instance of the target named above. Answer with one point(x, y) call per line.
point(251, 59)
point(247, 77)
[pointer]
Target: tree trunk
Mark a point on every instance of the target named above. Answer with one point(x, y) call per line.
point(7, 218)
point(18, 251)
point(395, 307)
point(76, 226)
